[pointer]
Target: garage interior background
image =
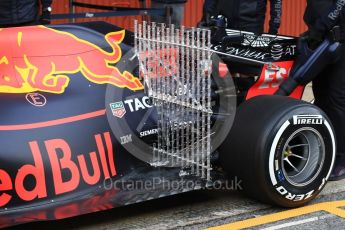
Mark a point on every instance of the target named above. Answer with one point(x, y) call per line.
point(292, 18)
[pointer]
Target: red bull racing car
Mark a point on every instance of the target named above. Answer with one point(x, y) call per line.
point(95, 117)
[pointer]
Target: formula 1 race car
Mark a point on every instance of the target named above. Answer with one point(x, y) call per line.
point(95, 117)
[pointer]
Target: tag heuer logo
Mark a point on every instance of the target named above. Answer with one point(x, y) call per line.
point(118, 109)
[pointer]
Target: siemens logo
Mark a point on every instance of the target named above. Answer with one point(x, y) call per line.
point(148, 132)
point(308, 120)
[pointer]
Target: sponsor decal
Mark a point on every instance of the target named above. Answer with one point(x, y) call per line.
point(256, 41)
point(339, 5)
point(278, 51)
point(290, 50)
point(248, 53)
point(43, 67)
point(278, 11)
point(118, 109)
point(137, 104)
point(36, 99)
point(308, 120)
point(273, 77)
point(126, 139)
point(294, 197)
point(148, 132)
point(133, 105)
point(89, 168)
point(270, 79)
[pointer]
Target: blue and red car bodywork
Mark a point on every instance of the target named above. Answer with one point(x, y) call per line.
point(59, 156)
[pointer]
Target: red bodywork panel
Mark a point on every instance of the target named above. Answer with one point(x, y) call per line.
point(270, 79)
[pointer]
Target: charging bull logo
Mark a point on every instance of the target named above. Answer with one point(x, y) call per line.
point(41, 59)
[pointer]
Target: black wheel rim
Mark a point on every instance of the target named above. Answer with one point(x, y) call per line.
point(303, 156)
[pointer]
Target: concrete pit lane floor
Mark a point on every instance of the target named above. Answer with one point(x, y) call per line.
point(205, 209)
point(219, 209)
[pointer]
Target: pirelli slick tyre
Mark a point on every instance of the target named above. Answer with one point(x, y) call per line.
point(282, 149)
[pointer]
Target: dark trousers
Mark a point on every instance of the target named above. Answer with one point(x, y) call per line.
point(256, 29)
point(329, 92)
point(177, 14)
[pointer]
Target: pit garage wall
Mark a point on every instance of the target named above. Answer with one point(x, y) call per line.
point(292, 19)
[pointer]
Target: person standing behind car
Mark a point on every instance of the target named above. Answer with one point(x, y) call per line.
point(24, 12)
point(329, 86)
point(177, 10)
point(248, 15)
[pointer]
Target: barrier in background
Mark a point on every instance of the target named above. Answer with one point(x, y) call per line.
point(292, 19)
point(110, 11)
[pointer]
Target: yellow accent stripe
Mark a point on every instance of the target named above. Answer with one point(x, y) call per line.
point(331, 207)
point(20, 38)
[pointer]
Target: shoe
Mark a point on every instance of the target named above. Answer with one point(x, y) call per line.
point(338, 172)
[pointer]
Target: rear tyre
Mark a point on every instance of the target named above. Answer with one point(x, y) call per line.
point(282, 149)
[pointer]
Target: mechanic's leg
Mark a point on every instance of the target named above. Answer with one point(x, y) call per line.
point(178, 13)
point(158, 19)
point(256, 29)
point(320, 89)
point(176, 17)
point(329, 92)
point(337, 114)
